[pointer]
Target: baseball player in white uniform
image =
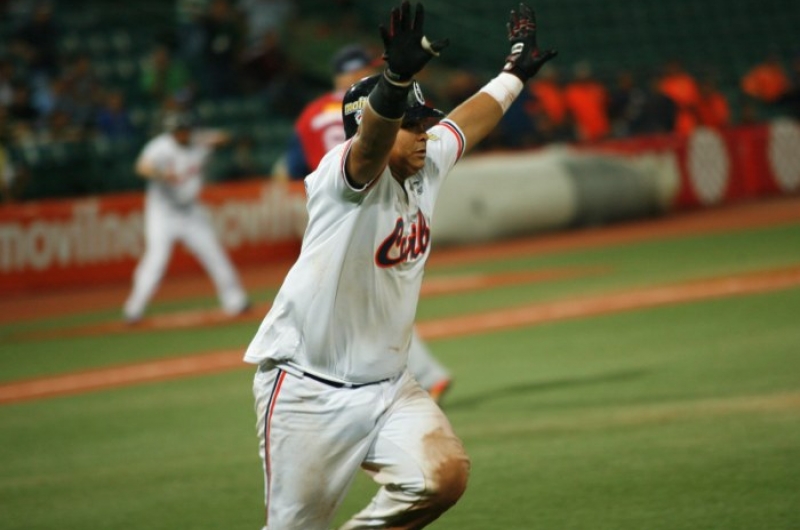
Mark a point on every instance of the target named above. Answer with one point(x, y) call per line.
point(320, 128)
point(332, 389)
point(173, 163)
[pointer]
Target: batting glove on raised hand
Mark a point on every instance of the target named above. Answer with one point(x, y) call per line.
point(525, 58)
point(406, 49)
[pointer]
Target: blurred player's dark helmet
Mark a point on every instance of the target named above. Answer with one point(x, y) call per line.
point(355, 99)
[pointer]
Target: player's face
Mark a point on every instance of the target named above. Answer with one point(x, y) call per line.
point(182, 135)
point(408, 154)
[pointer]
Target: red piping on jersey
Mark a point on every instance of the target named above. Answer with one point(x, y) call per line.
point(344, 158)
point(273, 398)
point(344, 171)
point(453, 128)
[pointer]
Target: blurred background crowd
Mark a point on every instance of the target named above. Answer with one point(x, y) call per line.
point(85, 83)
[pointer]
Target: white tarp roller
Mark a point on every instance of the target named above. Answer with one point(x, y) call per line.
point(501, 195)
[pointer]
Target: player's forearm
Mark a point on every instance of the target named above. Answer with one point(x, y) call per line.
point(477, 116)
point(146, 171)
point(371, 147)
point(381, 119)
point(213, 137)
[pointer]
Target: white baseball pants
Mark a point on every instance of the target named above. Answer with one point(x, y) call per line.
point(192, 226)
point(314, 438)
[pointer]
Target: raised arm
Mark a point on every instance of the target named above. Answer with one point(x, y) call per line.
point(481, 113)
point(406, 52)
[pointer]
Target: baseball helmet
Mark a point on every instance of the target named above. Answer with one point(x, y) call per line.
point(355, 99)
point(349, 59)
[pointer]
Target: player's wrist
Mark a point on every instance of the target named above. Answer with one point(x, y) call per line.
point(388, 99)
point(516, 71)
point(397, 79)
point(505, 88)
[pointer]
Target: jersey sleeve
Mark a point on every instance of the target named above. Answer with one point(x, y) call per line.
point(446, 146)
point(330, 177)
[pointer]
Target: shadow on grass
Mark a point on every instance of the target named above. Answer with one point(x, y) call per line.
point(532, 387)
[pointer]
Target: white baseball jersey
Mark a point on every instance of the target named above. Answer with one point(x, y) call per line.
point(347, 306)
point(166, 154)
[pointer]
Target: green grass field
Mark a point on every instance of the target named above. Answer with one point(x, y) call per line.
point(685, 416)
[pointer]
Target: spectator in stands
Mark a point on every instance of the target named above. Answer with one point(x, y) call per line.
point(164, 75)
point(656, 114)
point(680, 86)
point(547, 106)
point(713, 109)
point(222, 49)
point(767, 81)
point(265, 65)
point(12, 175)
point(263, 17)
point(36, 42)
point(189, 15)
point(60, 127)
point(22, 115)
point(51, 97)
point(5, 126)
point(587, 101)
point(83, 90)
point(112, 119)
point(516, 128)
point(6, 82)
point(626, 102)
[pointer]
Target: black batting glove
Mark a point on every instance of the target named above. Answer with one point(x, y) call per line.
point(525, 58)
point(406, 50)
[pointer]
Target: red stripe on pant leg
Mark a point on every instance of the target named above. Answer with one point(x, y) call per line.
point(273, 398)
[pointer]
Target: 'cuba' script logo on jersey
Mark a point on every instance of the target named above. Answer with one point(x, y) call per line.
point(400, 247)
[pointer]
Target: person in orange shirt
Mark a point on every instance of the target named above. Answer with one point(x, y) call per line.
point(679, 85)
point(547, 107)
point(587, 102)
point(767, 81)
point(713, 110)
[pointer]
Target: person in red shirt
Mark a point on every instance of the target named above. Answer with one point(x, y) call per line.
point(713, 110)
point(587, 101)
point(319, 126)
point(548, 106)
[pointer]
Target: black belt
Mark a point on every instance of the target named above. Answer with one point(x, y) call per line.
point(340, 384)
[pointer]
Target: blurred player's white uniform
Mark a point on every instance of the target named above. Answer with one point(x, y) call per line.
point(173, 213)
point(332, 391)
